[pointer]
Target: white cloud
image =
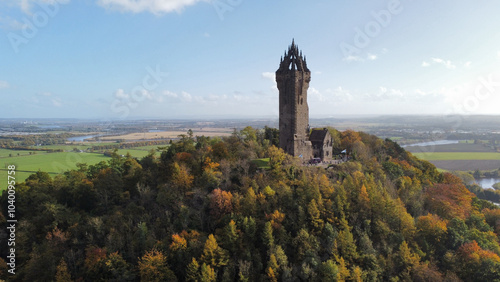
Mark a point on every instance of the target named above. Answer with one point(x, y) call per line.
point(152, 6)
point(268, 75)
point(4, 84)
point(371, 57)
point(385, 93)
point(186, 96)
point(447, 63)
point(44, 99)
point(351, 58)
point(120, 94)
point(467, 64)
point(498, 55)
point(27, 5)
point(329, 96)
point(56, 102)
point(170, 94)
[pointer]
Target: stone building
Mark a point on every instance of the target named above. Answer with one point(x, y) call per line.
point(322, 144)
point(292, 78)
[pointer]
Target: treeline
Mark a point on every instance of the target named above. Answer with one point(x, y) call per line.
point(33, 140)
point(128, 145)
point(203, 211)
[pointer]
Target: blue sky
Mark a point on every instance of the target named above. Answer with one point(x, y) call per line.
point(116, 59)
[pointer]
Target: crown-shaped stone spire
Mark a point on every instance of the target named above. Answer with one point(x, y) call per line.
point(293, 59)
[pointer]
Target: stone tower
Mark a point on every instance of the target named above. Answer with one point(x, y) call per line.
point(293, 78)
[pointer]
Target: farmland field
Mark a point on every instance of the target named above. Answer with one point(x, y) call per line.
point(52, 163)
point(463, 161)
point(57, 162)
point(4, 153)
point(209, 132)
point(460, 147)
point(451, 156)
point(467, 165)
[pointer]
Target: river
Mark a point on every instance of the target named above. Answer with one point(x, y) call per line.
point(81, 138)
point(487, 183)
point(432, 143)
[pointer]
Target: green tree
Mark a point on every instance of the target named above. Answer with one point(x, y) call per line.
point(193, 271)
point(267, 235)
point(328, 271)
point(207, 273)
point(314, 216)
point(213, 255)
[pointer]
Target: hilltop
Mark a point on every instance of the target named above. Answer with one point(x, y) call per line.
point(205, 210)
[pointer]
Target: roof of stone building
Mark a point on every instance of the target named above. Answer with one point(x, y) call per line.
point(318, 135)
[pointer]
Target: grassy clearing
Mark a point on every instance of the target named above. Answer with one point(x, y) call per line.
point(134, 153)
point(262, 163)
point(450, 156)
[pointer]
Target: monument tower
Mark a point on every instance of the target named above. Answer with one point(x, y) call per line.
point(293, 78)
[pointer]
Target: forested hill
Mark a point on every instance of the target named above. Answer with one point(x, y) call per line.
point(205, 211)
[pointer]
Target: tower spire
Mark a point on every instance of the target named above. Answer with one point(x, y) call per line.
point(293, 59)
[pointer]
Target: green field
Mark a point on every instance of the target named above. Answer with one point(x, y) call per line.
point(55, 163)
point(452, 156)
point(52, 163)
point(4, 153)
point(139, 152)
point(262, 163)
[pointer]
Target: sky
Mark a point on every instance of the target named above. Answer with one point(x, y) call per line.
point(131, 59)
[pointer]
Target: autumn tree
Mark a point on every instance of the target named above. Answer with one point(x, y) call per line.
point(449, 200)
point(207, 273)
point(347, 140)
point(477, 264)
point(213, 255)
point(220, 203)
point(193, 271)
point(406, 260)
point(431, 232)
point(181, 177)
point(62, 274)
point(153, 267)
